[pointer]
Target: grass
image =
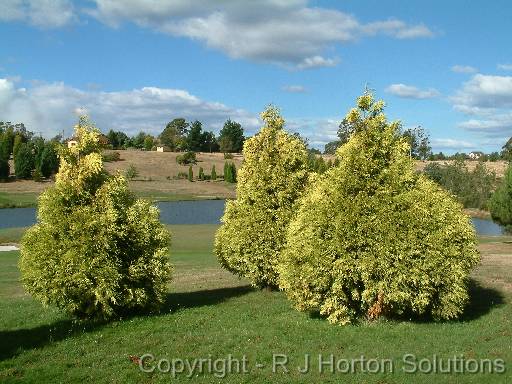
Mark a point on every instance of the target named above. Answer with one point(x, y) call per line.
point(169, 196)
point(18, 200)
point(11, 235)
point(29, 199)
point(211, 313)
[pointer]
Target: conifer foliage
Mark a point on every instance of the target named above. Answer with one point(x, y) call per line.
point(272, 177)
point(96, 251)
point(372, 237)
point(501, 201)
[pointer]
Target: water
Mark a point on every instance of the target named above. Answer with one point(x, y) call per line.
point(487, 227)
point(191, 212)
point(194, 212)
point(171, 212)
point(17, 217)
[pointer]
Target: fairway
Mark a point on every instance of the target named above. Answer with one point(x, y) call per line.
point(212, 314)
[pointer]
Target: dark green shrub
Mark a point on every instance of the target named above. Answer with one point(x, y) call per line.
point(500, 203)
point(228, 156)
point(131, 172)
point(190, 174)
point(472, 188)
point(36, 175)
point(96, 251)
point(434, 172)
point(4, 157)
point(111, 156)
point(4, 169)
point(49, 161)
point(18, 140)
point(186, 158)
point(229, 172)
point(372, 237)
point(201, 173)
point(24, 163)
point(214, 173)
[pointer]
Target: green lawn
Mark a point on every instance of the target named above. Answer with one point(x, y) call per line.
point(211, 314)
point(18, 200)
point(29, 199)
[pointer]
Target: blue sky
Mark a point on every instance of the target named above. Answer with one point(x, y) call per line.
point(136, 64)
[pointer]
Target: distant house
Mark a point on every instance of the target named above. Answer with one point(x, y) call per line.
point(475, 155)
point(162, 148)
point(73, 142)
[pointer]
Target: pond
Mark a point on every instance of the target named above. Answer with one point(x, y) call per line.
point(194, 212)
point(171, 212)
point(486, 227)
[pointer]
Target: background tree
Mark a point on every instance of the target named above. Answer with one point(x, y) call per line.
point(49, 163)
point(270, 180)
point(149, 142)
point(11, 130)
point(506, 153)
point(117, 139)
point(4, 156)
point(96, 251)
point(500, 204)
point(209, 142)
point(24, 163)
point(174, 134)
point(231, 137)
point(190, 174)
point(18, 140)
point(213, 173)
point(139, 140)
point(472, 188)
point(419, 142)
point(195, 136)
point(229, 172)
point(331, 147)
point(372, 237)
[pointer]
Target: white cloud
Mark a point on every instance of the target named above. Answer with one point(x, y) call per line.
point(488, 99)
point(505, 67)
point(316, 62)
point(484, 92)
point(463, 69)
point(50, 108)
point(294, 88)
point(318, 131)
point(411, 92)
point(287, 33)
point(494, 126)
point(397, 28)
point(40, 13)
point(452, 144)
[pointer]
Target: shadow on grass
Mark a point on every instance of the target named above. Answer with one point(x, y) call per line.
point(481, 301)
point(14, 342)
point(184, 300)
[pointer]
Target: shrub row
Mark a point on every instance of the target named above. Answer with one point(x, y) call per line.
point(369, 237)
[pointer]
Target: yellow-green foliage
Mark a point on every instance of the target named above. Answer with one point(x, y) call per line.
point(272, 176)
point(96, 251)
point(373, 238)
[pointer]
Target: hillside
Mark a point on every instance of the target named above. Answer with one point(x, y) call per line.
point(158, 176)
